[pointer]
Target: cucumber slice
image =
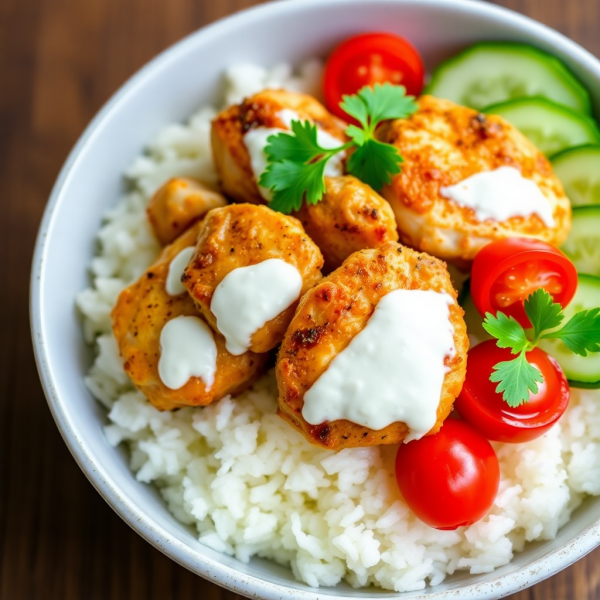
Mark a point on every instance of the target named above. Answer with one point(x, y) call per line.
point(579, 170)
point(581, 371)
point(493, 72)
point(583, 244)
point(550, 126)
point(473, 319)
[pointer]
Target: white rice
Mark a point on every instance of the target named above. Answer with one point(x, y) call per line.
point(251, 485)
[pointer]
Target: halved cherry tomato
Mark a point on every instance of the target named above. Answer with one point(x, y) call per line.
point(505, 272)
point(483, 407)
point(368, 59)
point(449, 479)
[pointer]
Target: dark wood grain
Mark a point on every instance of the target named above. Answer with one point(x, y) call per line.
point(60, 60)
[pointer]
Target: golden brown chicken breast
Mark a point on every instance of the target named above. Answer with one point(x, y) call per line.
point(244, 236)
point(334, 312)
point(142, 311)
point(350, 217)
point(443, 144)
point(179, 203)
point(239, 135)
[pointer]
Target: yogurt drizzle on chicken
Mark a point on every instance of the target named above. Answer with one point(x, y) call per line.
point(500, 194)
point(188, 350)
point(393, 370)
point(248, 297)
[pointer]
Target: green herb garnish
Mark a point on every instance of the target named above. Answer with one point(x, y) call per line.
point(517, 378)
point(296, 162)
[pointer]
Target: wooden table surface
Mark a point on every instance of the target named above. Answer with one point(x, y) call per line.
point(60, 60)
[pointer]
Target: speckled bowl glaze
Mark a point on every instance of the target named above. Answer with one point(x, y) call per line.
point(169, 89)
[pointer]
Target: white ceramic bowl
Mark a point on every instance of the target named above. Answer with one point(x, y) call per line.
point(169, 89)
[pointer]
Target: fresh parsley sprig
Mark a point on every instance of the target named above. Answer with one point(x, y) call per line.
point(296, 162)
point(517, 378)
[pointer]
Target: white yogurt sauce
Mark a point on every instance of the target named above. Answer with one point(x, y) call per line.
point(188, 349)
point(393, 370)
point(173, 284)
point(256, 141)
point(249, 297)
point(501, 194)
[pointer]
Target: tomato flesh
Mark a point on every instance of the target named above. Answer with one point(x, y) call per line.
point(369, 69)
point(449, 479)
point(507, 271)
point(523, 279)
point(484, 408)
point(518, 282)
point(368, 59)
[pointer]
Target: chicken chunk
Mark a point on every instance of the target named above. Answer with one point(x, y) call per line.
point(241, 235)
point(268, 111)
point(179, 203)
point(443, 144)
point(350, 217)
point(333, 312)
point(141, 312)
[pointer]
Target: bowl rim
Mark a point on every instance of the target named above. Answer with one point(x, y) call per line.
point(210, 569)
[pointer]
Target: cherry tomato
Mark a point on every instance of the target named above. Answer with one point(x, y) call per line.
point(449, 479)
point(483, 407)
point(368, 59)
point(505, 272)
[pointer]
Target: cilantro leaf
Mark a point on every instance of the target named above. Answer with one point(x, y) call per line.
point(581, 334)
point(299, 146)
point(516, 379)
point(296, 167)
point(508, 332)
point(296, 161)
point(357, 108)
point(542, 311)
point(374, 163)
point(381, 102)
point(357, 135)
point(293, 183)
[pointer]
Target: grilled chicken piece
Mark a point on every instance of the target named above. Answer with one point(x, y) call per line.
point(240, 235)
point(444, 143)
point(263, 110)
point(179, 203)
point(141, 312)
point(350, 217)
point(336, 310)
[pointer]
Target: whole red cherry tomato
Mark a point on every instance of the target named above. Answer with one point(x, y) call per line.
point(367, 59)
point(483, 407)
point(449, 479)
point(505, 272)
